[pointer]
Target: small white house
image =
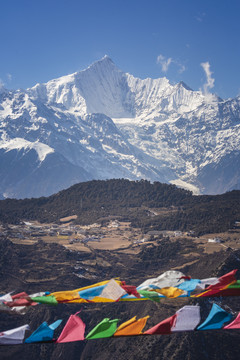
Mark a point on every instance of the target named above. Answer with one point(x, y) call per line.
point(178, 233)
point(214, 240)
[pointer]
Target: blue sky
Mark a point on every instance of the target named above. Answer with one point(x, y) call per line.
point(41, 40)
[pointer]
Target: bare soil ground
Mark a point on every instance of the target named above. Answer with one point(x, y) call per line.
point(68, 218)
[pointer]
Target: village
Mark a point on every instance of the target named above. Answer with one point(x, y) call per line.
point(112, 235)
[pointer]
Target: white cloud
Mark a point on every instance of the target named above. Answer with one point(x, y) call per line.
point(164, 62)
point(9, 76)
point(210, 80)
point(182, 68)
point(200, 17)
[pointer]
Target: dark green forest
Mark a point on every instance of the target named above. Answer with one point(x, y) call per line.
point(96, 201)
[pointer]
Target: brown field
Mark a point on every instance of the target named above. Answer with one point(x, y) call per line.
point(68, 218)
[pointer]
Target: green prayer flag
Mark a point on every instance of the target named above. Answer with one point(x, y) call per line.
point(236, 285)
point(50, 300)
point(106, 328)
point(151, 295)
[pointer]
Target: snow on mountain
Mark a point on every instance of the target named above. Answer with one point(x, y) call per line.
point(101, 86)
point(42, 150)
point(103, 123)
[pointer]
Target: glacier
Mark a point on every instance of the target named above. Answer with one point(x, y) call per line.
point(102, 123)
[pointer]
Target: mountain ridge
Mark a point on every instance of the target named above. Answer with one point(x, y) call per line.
point(110, 124)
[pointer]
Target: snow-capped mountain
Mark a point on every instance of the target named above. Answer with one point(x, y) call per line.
point(103, 123)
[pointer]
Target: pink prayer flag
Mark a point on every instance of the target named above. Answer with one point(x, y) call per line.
point(235, 324)
point(73, 330)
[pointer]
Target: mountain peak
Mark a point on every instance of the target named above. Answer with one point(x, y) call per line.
point(106, 58)
point(181, 83)
point(104, 62)
point(159, 131)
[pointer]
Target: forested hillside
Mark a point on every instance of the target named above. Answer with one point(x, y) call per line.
point(130, 200)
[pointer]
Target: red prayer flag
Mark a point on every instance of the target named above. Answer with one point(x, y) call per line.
point(20, 299)
point(164, 327)
point(131, 290)
point(19, 295)
point(185, 277)
point(218, 292)
point(224, 280)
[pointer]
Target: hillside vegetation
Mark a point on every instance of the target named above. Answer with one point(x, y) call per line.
point(130, 200)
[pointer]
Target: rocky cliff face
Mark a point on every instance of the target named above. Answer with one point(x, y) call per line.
point(103, 123)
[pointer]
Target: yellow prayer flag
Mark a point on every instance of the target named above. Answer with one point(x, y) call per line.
point(170, 292)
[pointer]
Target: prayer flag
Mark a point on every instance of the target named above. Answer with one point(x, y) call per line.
point(13, 336)
point(50, 300)
point(216, 319)
point(224, 280)
point(151, 295)
point(206, 282)
point(20, 299)
point(131, 327)
point(189, 285)
point(131, 290)
point(44, 332)
point(164, 327)
point(235, 324)
point(73, 330)
point(170, 292)
point(188, 317)
point(73, 295)
point(169, 278)
point(106, 328)
point(112, 292)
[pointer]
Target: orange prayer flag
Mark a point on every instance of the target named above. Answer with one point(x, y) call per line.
point(131, 327)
